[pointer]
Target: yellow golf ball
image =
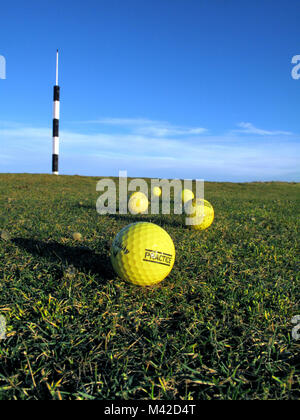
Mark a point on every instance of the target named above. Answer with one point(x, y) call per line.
point(138, 203)
point(187, 195)
point(77, 236)
point(137, 194)
point(201, 212)
point(143, 253)
point(156, 191)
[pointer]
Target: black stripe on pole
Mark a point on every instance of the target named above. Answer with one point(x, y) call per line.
point(56, 93)
point(54, 163)
point(55, 127)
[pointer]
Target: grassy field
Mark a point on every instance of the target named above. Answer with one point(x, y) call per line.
point(219, 327)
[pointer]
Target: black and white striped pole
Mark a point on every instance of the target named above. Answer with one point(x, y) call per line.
point(56, 107)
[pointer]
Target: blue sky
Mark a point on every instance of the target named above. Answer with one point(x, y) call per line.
point(197, 89)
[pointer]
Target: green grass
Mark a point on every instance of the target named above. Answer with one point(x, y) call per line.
point(217, 328)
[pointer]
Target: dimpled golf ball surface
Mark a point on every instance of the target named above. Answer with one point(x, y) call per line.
point(143, 253)
point(202, 212)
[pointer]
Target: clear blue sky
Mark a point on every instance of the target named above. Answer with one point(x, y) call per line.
point(160, 88)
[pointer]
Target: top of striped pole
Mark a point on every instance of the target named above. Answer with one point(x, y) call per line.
point(56, 87)
point(56, 67)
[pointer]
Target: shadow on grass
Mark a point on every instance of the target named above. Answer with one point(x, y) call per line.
point(158, 219)
point(80, 257)
point(85, 206)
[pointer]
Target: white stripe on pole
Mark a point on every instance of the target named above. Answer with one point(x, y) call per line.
point(55, 146)
point(56, 109)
